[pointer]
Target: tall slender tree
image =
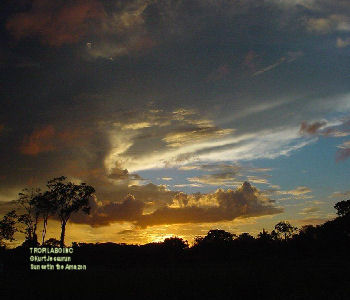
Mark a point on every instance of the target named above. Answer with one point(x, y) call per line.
point(46, 206)
point(69, 198)
point(27, 203)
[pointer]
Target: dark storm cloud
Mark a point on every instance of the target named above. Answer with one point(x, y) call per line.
point(117, 28)
point(56, 23)
point(108, 28)
point(48, 139)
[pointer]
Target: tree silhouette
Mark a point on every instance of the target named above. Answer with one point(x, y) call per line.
point(69, 198)
point(285, 228)
point(343, 208)
point(46, 206)
point(7, 227)
point(175, 243)
point(274, 235)
point(245, 237)
point(27, 202)
point(219, 235)
point(215, 237)
point(265, 236)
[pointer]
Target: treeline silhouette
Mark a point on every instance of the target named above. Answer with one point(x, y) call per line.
point(311, 262)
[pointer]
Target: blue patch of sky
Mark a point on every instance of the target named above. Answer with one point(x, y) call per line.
point(313, 166)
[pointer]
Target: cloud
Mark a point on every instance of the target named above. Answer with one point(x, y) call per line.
point(320, 25)
point(109, 29)
point(194, 134)
point(344, 151)
point(40, 140)
point(301, 192)
point(115, 29)
point(114, 189)
point(56, 23)
point(118, 173)
point(290, 57)
point(311, 128)
point(225, 174)
point(342, 43)
point(259, 117)
point(270, 67)
point(123, 31)
point(256, 179)
point(129, 210)
point(118, 28)
point(126, 231)
point(228, 178)
point(336, 128)
point(167, 178)
point(310, 221)
point(223, 168)
point(250, 61)
point(211, 148)
point(47, 139)
point(211, 167)
point(309, 210)
point(244, 202)
point(219, 73)
point(188, 185)
point(333, 22)
point(341, 194)
point(160, 134)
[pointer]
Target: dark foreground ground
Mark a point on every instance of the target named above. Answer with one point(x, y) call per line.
point(276, 276)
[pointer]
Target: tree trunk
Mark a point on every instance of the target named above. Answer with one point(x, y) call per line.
point(63, 231)
point(44, 229)
point(29, 233)
point(35, 225)
point(35, 237)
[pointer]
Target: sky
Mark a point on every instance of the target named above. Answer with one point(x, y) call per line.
point(185, 116)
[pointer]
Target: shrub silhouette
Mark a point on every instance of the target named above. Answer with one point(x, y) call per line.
point(52, 242)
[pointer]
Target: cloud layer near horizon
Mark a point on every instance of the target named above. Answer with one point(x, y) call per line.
point(244, 202)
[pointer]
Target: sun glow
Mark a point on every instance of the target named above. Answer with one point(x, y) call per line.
point(160, 238)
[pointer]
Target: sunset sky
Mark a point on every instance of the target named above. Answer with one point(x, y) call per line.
point(184, 115)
